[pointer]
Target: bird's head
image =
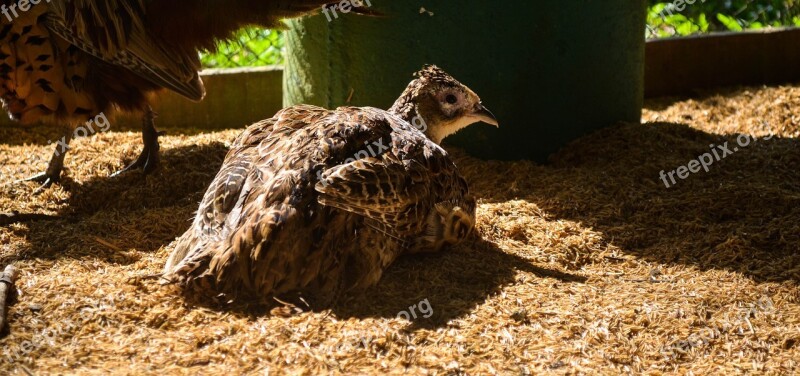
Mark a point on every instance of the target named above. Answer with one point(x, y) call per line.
point(439, 105)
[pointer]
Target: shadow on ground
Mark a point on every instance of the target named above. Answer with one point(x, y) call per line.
point(743, 215)
point(453, 283)
point(105, 215)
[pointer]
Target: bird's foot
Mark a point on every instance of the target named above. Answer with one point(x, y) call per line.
point(149, 160)
point(292, 306)
point(45, 179)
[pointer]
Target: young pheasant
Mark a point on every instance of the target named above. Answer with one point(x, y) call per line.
point(322, 201)
point(68, 61)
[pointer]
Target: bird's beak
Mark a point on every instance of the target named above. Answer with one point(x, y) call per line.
point(483, 114)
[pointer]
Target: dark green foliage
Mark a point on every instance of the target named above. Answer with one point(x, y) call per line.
point(251, 47)
point(677, 18)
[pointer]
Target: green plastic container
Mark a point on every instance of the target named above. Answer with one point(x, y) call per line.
point(550, 70)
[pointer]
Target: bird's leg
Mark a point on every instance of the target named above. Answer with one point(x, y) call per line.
point(148, 160)
point(53, 172)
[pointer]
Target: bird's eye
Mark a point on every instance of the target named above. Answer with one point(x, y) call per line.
point(451, 99)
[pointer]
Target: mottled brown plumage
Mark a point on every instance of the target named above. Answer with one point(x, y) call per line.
point(67, 61)
point(324, 201)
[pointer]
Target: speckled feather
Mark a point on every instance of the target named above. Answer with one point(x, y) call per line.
point(305, 202)
point(69, 60)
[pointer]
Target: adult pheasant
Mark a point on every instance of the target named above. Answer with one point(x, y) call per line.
point(322, 201)
point(69, 61)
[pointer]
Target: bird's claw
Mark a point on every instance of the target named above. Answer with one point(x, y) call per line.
point(149, 159)
point(46, 180)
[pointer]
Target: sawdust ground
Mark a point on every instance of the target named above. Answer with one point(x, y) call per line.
point(587, 265)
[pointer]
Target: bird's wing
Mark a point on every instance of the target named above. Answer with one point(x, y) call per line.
point(396, 189)
point(219, 202)
point(278, 234)
point(247, 172)
point(115, 31)
point(239, 172)
point(246, 165)
point(224, 197)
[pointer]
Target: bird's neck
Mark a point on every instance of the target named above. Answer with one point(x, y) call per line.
point(408, 112)
point(404, 107)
